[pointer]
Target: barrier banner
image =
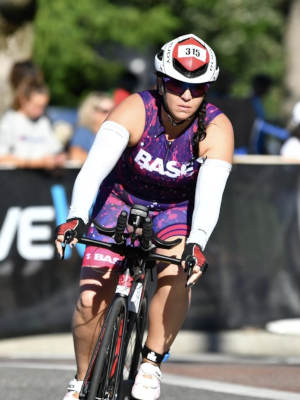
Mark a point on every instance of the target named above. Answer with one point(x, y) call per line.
point(37, 290)
point(253, 254)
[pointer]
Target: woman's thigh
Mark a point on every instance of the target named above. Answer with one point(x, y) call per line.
point(167, 274)
point(95, 258)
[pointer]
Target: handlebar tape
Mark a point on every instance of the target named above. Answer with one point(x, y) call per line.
point(147, 232)
point(121, 225)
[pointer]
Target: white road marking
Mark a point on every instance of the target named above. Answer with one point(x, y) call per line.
point(229, 388)
point(183, 381)
point(35, 365)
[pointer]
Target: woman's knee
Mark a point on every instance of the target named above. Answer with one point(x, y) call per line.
point(87, 299)
point(91, 302)
point(171, 275)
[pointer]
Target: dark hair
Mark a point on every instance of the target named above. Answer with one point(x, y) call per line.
point(261, 84)
point(23, 69)
point(26, 88)
point(262, 80)
point(128, 81)
point(201, 131)
point(295, 132)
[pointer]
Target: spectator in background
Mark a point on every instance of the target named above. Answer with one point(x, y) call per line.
point(291, 147)
point(261, 85)
point(63, 130)
point(26, 135)
point(127, 83)
point(91, 114)
point(266, 137)
point(239, 110)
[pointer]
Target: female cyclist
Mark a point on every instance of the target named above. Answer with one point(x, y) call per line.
point(169, 150)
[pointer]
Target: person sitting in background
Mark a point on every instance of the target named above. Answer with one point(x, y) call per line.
point(291, 147)
point(26, 135)
point(91, 114)
point(266, 137)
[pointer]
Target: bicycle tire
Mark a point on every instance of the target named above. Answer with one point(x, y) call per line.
point(105, 377)
point(132, 350)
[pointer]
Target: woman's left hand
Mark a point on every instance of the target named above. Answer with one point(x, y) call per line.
point(193, 250)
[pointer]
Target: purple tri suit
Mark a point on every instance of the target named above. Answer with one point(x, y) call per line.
point(154, 173)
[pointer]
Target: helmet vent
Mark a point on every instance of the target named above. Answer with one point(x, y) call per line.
point(160, 55)
point(189, 74)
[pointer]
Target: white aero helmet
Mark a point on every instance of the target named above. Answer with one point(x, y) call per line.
point(187, 59)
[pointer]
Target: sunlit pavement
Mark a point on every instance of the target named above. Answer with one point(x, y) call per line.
point(214, 376)
point(265, 376)
point(251, 341)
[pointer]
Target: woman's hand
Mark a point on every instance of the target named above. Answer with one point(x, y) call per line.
point(73, 227)
point(193, 250)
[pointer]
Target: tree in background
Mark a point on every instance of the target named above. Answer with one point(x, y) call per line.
point(78, 44)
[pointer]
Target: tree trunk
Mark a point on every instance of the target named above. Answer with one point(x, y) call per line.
point(16, 41)
point(292, 46)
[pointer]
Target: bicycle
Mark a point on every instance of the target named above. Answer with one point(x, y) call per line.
point(119, 344)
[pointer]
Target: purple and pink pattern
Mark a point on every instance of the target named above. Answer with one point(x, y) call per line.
point(155, 169)
point(173, 220)
point(155, 174)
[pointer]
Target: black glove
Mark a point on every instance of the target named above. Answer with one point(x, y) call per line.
point(73, 228)
point(194, 250)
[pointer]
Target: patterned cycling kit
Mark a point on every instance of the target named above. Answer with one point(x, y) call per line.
point(158, 174)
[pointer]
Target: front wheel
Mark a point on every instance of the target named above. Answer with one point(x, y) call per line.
point(133, 349)
point(105, 378)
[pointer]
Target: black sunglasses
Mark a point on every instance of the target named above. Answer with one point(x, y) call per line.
point(178, 87)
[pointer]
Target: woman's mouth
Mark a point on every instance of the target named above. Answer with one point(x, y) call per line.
point(184, 108)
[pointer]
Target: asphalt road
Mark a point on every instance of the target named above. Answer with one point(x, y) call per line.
point(212, 379)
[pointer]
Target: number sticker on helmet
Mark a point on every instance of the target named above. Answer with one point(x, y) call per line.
point(192, 51)
point(187, 59)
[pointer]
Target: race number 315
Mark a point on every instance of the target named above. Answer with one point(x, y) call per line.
point(192, 51)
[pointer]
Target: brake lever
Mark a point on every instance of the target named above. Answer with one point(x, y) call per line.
point(69, 236)
point(63, 245)
point(190, 262)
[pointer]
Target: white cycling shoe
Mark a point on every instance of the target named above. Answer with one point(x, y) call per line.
point(74, 387)
point(147, 382)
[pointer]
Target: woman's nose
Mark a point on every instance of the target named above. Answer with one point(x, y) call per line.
point(187, 95)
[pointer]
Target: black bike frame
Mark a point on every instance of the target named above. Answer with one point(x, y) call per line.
point(130, 274)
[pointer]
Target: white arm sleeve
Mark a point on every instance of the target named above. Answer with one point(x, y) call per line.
point(109, 144)
point(210, 186)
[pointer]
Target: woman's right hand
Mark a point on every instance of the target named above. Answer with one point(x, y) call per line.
point(73, 227)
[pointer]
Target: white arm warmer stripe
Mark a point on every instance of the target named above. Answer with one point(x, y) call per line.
point(210, 186)
point(109, 144)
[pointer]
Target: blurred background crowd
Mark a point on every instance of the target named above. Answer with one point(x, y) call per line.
point(65, 66)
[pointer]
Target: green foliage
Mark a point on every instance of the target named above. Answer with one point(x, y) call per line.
point(74, 39)
point(69, 33)
point(246, 36)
